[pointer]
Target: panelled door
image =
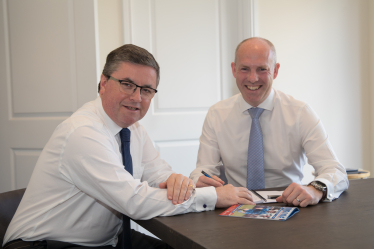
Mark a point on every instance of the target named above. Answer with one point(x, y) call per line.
point(194, 42)
point(48, 69)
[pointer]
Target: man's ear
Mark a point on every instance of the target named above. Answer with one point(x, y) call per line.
point(233, 69)
point(276, 69)
point(103, 82)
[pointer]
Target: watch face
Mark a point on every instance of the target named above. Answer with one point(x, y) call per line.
point(318, 185)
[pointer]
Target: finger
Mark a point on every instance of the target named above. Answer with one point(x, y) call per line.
point(162, 185)
point(296, 192)
point(245, 201)
point(206, 182)
point(218, 180)
point(177, 188)
point(183, 190)
point(291, 192)
point(190, 188)
point(296, 202)
point(292, 197)
point(304, 203)
point(170, 186)
point(246, 195)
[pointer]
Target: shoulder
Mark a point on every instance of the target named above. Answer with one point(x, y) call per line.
point(85, 117)
point(225, 105)
point(287, 100)
point(290, 105)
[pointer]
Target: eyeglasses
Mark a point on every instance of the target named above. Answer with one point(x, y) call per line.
point(128, 87)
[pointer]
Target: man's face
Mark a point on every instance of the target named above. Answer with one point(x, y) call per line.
point(125, 109)
point(254, 71)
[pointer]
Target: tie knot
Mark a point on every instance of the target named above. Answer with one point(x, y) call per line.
point(125, 134)
point(255, 112)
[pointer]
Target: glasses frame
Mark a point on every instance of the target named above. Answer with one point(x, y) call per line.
point(136, 86)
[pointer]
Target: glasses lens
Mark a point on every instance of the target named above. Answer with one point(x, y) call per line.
point(127, 87)
point(147, 92)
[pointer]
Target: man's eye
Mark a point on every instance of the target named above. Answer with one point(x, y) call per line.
point(126, 84)
point(147, 90)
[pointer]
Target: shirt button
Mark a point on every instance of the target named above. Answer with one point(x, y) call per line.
point(204, 206)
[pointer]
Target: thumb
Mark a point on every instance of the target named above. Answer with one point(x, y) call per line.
point(279, 199)
point(162, 185)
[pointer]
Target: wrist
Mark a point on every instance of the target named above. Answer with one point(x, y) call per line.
point(320, 186)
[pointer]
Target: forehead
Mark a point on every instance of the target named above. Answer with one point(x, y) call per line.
point(255, 52)
point(139, 74)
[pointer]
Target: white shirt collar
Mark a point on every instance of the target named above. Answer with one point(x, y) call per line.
point(112, 126)
point(267, 104)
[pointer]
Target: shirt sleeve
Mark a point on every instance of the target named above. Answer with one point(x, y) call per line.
point(91, 163)
point(321, 155)
point(156, 170)
point(209, 156)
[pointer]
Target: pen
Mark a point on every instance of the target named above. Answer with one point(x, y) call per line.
point(259, 196)
point(206, 174)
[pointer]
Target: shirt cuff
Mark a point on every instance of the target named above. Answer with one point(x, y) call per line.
point(330, 189)
point(206, 199)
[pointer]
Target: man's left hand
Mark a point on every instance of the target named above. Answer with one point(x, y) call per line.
point(298, 195)
point(179, 188)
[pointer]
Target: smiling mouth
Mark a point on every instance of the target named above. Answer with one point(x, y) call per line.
point(253, 88)
point(132, 108)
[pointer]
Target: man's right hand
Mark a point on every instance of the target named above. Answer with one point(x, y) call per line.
point(229, 195)
point(204, 181)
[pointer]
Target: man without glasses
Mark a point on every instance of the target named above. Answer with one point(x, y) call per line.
point(262, 136)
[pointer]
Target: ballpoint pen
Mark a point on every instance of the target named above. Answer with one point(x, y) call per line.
point(258, 195)
point(206, 174)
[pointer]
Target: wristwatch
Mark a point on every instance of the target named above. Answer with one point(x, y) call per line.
point(321, 187)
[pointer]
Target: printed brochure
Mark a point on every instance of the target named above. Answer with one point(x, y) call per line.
point(260, 212)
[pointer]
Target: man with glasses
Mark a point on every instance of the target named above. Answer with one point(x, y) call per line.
point(100, 168)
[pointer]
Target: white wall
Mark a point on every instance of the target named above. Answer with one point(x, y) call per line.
point(322, 48)
point(325, 54)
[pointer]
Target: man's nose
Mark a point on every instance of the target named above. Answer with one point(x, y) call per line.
point(252, 76)
point(136, 96)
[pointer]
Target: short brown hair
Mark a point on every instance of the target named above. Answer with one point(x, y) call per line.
point(129, 53)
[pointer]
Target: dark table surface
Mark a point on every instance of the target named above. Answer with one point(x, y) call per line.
point(347, 222)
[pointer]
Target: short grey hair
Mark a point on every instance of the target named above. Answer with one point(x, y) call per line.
point(129, 53)
point(272, 47)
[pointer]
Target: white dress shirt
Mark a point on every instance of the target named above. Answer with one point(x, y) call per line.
point(291, 132)
point(79, 188)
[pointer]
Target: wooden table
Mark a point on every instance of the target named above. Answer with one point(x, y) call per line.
point(347, 222)
point(359, 176)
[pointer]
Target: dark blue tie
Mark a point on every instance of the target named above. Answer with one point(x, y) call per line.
point(127, 161)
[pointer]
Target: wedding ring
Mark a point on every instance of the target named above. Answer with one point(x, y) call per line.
point(193, 187)
point(297, 200)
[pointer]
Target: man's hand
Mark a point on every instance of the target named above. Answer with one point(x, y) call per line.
point(299, 195)
point(179, 188)
point(204, 181)
point(229, 195)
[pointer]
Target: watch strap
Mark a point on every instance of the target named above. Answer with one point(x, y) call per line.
point(321, 187)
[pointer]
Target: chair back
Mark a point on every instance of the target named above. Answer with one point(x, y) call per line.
point(9, 202)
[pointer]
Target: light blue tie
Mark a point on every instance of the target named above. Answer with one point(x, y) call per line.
point(255, 160)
